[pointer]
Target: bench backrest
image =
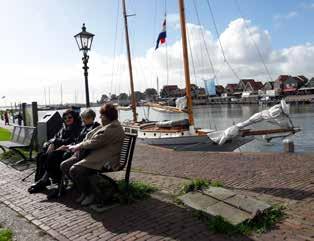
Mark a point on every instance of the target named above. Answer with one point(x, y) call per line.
point(127, 150)
point(23, 135)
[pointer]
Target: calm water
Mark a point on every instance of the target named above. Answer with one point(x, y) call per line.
point(221, 117)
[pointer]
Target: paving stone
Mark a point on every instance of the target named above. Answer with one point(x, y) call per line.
point(248, 204)
point(218, 192)
point(197, 200)
point(232, 215)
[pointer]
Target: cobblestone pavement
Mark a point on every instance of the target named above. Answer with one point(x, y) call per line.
point(275, 178)
point(21, 228)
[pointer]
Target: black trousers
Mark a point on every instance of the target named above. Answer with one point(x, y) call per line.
point(50, 163)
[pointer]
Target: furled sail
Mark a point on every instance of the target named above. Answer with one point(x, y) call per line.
point(278, 115)
point(181, 103)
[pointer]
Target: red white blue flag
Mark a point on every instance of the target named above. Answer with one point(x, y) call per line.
point(162, 35)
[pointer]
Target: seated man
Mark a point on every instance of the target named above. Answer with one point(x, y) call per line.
point(104, 146)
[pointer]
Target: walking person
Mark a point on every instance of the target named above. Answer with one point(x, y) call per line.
point(6, 118)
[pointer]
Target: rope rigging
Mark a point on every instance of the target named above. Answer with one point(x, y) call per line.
point(203, 38)
point(253, 41)
point(115, 45)
point(218, 37)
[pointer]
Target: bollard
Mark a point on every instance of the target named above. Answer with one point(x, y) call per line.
point(288, 145)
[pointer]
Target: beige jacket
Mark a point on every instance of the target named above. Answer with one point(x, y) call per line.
point(105, 144)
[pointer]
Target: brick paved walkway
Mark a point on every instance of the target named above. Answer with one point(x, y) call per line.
point(279, 178)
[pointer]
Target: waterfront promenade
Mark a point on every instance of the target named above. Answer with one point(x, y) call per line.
point(286, 179)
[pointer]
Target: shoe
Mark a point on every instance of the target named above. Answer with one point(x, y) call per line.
point(38, 186)
point(81, 198)
point(99, 208)
point(54, 193)
point(88, 200)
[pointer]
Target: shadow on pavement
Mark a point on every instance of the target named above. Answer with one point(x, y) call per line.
point(151, 217)
point(289, 193)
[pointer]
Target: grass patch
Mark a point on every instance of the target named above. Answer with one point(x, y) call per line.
point(5, 134)
point(11, 155)
point(199, 184)
point(260, 224)
point(5, 234)
point(137, 191)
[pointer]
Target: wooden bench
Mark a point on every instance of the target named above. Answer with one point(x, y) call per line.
point(21, 137)
point(126, 157)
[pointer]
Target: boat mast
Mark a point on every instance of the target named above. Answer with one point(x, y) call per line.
point(133, 101)
point(186, 63)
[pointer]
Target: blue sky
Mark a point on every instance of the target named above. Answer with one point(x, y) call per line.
point(38, 47)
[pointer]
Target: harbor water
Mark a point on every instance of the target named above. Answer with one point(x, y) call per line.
point(219, 117)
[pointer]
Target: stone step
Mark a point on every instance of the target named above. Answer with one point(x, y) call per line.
point(216, 201)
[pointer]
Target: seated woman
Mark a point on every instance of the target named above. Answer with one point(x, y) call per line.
point(53, 169)
point(103, 145)
point(67, 135)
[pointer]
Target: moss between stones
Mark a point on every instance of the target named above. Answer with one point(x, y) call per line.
point(137, 191)
point(260, 224)
point(5, 234)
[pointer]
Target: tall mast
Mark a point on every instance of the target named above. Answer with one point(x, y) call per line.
point(133, 101)
point(186, 63)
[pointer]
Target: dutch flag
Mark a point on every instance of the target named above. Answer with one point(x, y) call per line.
point(162, 35)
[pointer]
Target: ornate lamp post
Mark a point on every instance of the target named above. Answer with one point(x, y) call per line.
point(84, 42)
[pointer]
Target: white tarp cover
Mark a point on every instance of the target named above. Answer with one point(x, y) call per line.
point(181, 103)
point(276, 115)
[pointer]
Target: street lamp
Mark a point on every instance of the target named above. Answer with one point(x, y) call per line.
point(84, 42)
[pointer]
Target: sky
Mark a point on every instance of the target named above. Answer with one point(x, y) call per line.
point(249, 39)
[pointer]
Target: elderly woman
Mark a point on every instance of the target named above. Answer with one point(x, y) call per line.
point(53, 168)
point(103, 145)
point(88, 117)
point(53, 151)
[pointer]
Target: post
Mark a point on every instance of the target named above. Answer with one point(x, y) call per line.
point(133, 100)
point(85, 67)
point(35, 113)
point(288, 145)
point(24, 113)
point(186, 63)
point(35, 123)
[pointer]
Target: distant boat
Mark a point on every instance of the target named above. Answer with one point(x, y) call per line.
point(165, 108)
point(124, 108)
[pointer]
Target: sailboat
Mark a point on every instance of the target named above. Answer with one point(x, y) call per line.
point(182, 134)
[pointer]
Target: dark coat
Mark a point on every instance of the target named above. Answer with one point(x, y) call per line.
point(85, 130)
point(68, 134)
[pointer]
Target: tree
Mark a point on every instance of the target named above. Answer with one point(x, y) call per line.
point(113, 97)
point(138, 96)
point(150, 93)
point(123, 96)
point(104, 98)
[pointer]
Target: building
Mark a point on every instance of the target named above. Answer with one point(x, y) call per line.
point(219, 90)
point(170, 91)
point(278, 85)
point(230, 89)
point(243, 83)
point(308, 88)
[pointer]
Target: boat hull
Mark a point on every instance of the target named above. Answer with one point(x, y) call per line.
point(195, 143)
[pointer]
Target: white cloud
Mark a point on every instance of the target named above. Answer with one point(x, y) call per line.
point(27, 82)
point(307, 5)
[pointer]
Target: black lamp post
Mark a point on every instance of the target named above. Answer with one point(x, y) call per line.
point(84, 42)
